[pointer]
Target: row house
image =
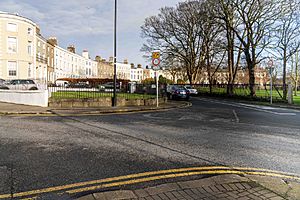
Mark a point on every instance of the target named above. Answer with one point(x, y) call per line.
point(136, 73)
point(68, 64)
point(242, 76)
point(26, 54)
point(124, 70)
point(17, 47)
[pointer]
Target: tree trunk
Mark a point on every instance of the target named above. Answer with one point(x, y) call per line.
point(296, 72)
point(230, 41)
point(284, 88)
point(251, 68)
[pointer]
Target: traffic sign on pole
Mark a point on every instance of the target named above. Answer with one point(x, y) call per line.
point(155, 63)
point(156, 55)
point(155, 58)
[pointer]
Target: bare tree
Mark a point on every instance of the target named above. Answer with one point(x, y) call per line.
point(212, 42)
point(286, 36)
point(177, 32)
point(254, 31)
point(172, 66)
point(226, 16)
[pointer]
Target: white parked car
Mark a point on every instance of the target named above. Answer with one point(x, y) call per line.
point(192, 90)
point(19, 84)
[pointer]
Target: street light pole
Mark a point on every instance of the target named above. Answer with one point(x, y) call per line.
point(114, 102)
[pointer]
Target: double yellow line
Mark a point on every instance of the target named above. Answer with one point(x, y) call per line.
point(152, 176)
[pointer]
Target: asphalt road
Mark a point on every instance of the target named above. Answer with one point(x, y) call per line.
point(41, 152)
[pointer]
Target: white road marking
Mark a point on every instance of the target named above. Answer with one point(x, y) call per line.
point(236, 116)
point(251, 107)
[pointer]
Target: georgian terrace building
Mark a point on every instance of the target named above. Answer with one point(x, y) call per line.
point(17, 47)
point(26, 54)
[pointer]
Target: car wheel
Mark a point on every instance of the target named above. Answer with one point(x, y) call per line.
point(33, 88)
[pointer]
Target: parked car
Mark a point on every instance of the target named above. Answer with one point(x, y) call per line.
point(62, 83)
point(78, 85)
point(2, 81)
point(192, 90)
point(108, 87)
point(20, 84)
point(177, 92)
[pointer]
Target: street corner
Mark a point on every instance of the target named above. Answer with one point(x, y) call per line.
point(225, 182)
point(289, 189)
point(229, 186)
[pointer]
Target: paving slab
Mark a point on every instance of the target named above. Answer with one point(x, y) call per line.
point(219, 187)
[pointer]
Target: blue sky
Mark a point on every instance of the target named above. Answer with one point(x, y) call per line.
point(88, 24)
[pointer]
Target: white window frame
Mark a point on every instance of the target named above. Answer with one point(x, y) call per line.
point(8, 68)
point(11, 51)
point(30, 47)
point(8, 27)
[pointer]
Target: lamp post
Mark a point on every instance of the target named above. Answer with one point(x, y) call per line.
point(114, 100)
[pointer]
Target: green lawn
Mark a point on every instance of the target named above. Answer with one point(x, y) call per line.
point(260, 93)
point(297, 99)
point(83, 95)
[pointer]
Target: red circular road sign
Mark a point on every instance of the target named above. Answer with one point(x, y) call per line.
point(156, 62)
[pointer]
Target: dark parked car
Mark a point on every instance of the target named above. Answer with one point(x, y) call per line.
point(79, 85)
point(177, 92)
point(19, 84)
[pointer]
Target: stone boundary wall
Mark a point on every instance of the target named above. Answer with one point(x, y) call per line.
point(101, 102)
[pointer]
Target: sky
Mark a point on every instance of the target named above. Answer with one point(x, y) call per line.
point(88, 24)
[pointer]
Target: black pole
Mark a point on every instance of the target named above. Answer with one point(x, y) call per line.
point(114, 103)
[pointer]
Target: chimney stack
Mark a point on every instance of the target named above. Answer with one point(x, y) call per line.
point(98, 58)
point(111, 59)
point(85, 54)
point(71, 48)
point(53, 41)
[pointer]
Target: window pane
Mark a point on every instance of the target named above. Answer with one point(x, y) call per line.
point(12, 27)
point(12, 45)
point(12, 68)
point(29, 49)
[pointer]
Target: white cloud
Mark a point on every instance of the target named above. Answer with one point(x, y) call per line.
point(85, 20)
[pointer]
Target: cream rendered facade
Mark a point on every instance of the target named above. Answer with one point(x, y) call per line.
point(71, 65)
point(25, 54)
point(17, 47)
point(41, 61)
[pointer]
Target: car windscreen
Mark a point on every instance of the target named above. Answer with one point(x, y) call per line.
point(178, 87)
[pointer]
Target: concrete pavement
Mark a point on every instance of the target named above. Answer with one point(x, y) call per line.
point(226, 187)
point(18, 109)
